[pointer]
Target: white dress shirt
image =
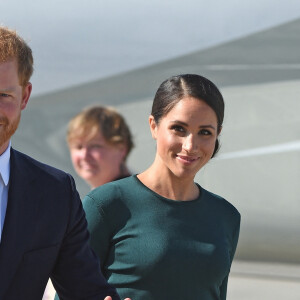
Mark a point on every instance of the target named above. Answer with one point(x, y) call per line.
point(4, 181)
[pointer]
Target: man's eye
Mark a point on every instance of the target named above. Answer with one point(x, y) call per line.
point(4, 95)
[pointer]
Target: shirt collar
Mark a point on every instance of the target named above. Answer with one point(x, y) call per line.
point(4, 165)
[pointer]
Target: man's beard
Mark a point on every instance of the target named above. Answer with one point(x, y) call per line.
point(7, 129)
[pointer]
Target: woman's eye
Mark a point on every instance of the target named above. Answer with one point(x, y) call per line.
point(77, 147)
point(205, 132)
point(177, 128)
point(96, 146)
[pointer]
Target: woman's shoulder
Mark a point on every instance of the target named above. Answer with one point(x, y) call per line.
point(219, 203)
point(222, 211)
point(111, 193)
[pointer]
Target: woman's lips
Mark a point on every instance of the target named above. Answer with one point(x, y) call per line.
point(187, 159)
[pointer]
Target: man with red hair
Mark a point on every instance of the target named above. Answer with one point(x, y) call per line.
point(43, 230)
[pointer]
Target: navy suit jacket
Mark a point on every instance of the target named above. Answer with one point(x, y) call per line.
point(45, 235)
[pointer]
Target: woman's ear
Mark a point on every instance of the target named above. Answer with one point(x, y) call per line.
point(153, 126)
point(123, 151)
point(219, 130)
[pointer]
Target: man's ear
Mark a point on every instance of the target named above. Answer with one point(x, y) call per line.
point(153, 126)
point(26, 94)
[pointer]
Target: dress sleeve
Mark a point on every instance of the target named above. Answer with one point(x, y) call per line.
point(98, 227)
point(235, 238)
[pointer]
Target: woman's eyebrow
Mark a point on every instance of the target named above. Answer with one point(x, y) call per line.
point(200, 126)
point(179, 122)
point(207, 126)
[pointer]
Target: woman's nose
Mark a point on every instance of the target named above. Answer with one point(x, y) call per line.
point(84, 152)
point(190, 143)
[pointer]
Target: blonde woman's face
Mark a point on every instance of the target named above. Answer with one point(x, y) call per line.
point(95, 160)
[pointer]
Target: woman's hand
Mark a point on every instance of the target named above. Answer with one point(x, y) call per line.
point(109, 298)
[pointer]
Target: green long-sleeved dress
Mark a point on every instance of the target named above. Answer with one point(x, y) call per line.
point(153, 248)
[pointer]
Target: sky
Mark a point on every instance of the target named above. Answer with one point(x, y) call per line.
point(77, 41)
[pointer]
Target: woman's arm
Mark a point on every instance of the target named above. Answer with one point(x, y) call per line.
point(98, 228)
point(235, 238)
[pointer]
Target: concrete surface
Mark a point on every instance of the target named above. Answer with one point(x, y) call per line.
point(263, 281)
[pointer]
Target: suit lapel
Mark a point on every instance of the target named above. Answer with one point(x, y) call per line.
point(19, 219)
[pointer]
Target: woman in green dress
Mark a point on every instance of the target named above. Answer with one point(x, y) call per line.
point(160, 235)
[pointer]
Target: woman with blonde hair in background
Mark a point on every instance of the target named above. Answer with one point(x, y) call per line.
point(99, 141)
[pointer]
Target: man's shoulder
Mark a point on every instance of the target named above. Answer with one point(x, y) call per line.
point(41, 178)
point(35, 166)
